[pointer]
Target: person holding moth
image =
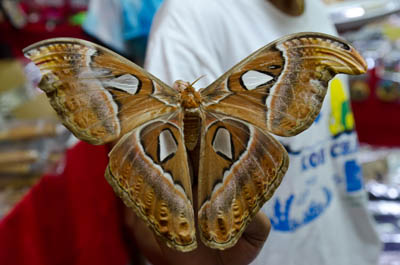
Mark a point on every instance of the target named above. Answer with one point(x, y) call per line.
point(173, 140)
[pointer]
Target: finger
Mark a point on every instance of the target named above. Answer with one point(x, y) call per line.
point(258, 230)
point(143, 237)
point(250, 244)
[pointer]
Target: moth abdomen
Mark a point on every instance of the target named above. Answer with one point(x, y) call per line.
point(191, 129)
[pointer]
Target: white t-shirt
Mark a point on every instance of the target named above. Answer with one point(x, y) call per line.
point(318, 214)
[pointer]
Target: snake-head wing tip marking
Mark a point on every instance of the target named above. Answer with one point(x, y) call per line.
point(359, 64)
point(346, 59)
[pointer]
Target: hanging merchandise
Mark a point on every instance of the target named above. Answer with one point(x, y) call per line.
point(103, 21)
point(137, 17)
point(388, 72)
point(381, 170)
point(42, 19)
point(14, 13)
point(359, 88)
point(123, 25)
point(388, 91)
point(376, 106)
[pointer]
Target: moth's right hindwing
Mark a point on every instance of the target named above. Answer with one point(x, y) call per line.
point(240, 170)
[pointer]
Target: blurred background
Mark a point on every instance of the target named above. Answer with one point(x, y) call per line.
point(33, 143)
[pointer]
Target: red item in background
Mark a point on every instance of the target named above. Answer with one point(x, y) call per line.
point(51, 21)
point(19, 39)
point(377, 122)
point(70, 219)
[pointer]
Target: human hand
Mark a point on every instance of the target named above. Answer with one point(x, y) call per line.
point(157, 252)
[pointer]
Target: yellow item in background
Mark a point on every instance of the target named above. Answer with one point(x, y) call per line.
point(342, 118)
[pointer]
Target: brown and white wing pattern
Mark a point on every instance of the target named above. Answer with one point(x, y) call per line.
point(240, 168)
point(98, 94)
point(101, 97)
point(148, 169)
point(281, 87)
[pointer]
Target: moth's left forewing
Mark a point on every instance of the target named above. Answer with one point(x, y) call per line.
point(240, 168)
point(281, 87)
point(98, 94)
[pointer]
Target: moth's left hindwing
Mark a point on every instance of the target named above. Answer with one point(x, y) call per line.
point(148, 168)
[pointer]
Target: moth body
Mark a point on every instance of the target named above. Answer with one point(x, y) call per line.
point(191, 129)
point(189, 101)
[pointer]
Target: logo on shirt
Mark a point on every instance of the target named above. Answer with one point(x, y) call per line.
point(283, 220)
